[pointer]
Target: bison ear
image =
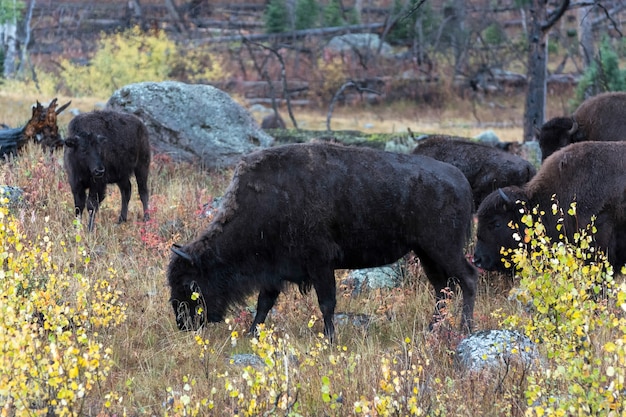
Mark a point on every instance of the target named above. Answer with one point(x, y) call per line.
point(71, 142)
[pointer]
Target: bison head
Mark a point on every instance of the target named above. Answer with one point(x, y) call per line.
point(194, 299)
point(556, 134)
point(88, 149)
point(498, 223)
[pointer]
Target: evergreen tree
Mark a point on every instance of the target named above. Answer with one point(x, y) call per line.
point(307, 13)
point(333, 14)
point(276, 18)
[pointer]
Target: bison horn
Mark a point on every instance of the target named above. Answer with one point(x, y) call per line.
point(574, 127)
point(505, 197)
point(177, 249)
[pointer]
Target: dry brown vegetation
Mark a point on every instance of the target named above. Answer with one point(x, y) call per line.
point(152, 356)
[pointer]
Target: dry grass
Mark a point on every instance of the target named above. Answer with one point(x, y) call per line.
point(152, 355)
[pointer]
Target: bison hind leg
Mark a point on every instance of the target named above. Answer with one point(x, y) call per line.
point(325, 287)
point(141, 175)
point(443, 276)
point(125, 190)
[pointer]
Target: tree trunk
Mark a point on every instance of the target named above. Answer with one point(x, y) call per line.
point(25, 59)
point(534, 113)
point(459, 36)
point(539, 24)
point(10, 48)
point(586, 42)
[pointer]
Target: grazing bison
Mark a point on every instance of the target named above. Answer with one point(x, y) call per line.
point(487, 168)
point(591, 173)
point(295, 213)
point(600, 118)
point(105, 147)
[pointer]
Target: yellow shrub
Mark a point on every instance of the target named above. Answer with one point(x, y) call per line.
point(575, 314)
point(51, 352)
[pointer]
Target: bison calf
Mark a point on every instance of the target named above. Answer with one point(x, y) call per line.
point(486, 167)
point(296, 213)
point(591, 173)
point(105, 147)
point(600, 118)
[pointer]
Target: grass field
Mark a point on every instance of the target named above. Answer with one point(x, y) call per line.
point(393, 366)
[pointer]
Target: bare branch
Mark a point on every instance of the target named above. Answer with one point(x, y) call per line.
point(283, 76)
point(609, 14)
point(555, 16)
point(338, 94)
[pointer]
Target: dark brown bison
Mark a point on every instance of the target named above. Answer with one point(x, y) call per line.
point(591, 173)
point(273, 121)
point(105, 147)
point(599, 118)
point(295, 213)
point(486, 167)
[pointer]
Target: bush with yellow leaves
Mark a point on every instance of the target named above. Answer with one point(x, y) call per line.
point(576, 315)
point(52, 354)
point(135, 56)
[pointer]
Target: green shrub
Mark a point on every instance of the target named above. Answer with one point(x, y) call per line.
point(494, 34)
point(603, 75)
point(575, 309)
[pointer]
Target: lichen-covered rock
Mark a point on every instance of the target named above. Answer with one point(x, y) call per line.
point(14, 195)
point(491, 349)
point(197, 123)
point(388, 276)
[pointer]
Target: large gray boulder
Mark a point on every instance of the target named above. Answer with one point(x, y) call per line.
point(197, 123)
point(361, 43)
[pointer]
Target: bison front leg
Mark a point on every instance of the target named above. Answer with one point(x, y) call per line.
point(80, 198)
point(96, 195)
point(267, 299)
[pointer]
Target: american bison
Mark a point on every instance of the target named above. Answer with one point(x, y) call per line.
point(599, 118)
point(105, 147)
point(591, 173)
point(297, 212)
point(486, 167)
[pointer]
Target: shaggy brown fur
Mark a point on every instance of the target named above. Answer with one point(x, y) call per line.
point(599, 118)
point(295, 213)
point(106, 147)
point(591, 173)
point(487, 168)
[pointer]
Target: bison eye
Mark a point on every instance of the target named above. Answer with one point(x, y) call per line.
point(496, 225)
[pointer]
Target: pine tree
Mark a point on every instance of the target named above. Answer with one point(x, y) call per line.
point(276, 18)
